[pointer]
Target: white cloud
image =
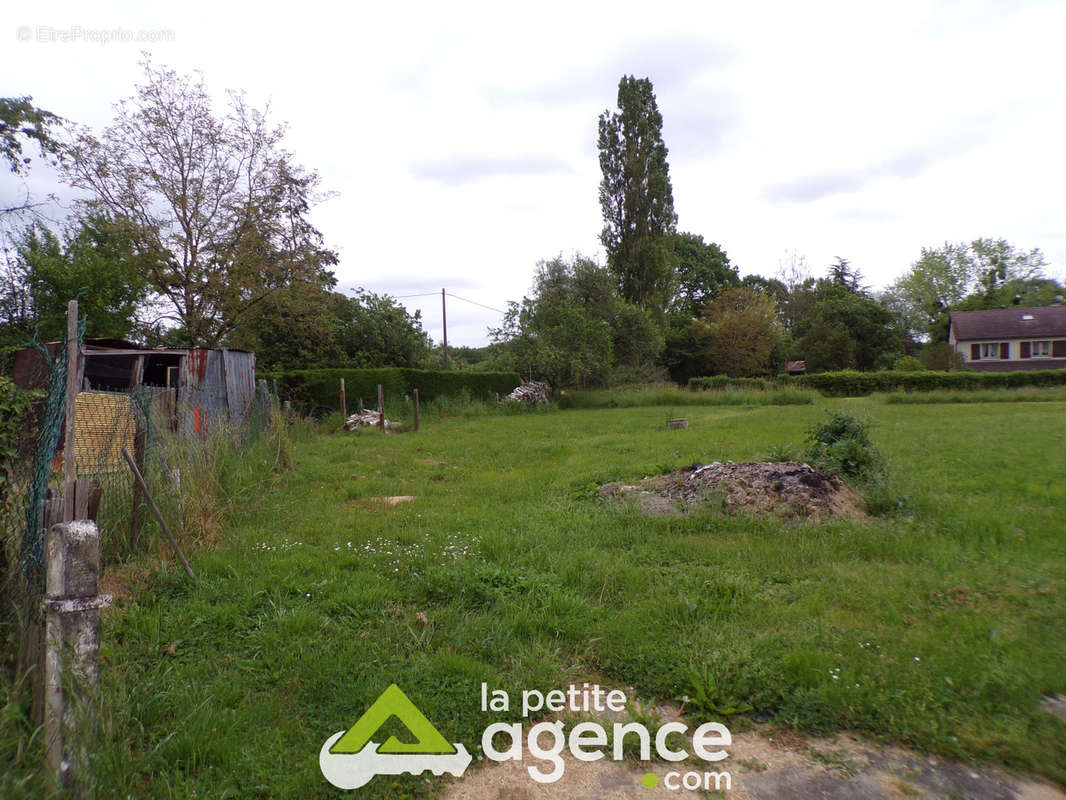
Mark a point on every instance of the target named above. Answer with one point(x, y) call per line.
point(461, 137)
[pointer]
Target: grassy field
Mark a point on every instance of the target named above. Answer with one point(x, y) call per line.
point(940, 627)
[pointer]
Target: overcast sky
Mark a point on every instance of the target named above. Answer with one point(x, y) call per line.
point(461, 138)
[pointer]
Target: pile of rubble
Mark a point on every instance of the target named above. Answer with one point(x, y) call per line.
point(365, 418)
point(532, 392)
point(787, 488)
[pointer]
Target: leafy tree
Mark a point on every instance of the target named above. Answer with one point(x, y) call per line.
point(940, 356)
point(771, 287)
point(20, 123)
point(296, 327)
point(218, 196)
point(703, 270)
point(376, 331)
point(21, 120)
point(939, 282)
point(845, 329)
point(685, 352)
point(843, 274)
point(636, 197)
point(574, 329)
point(98, 260)
point(742, 331)
point(301, 327)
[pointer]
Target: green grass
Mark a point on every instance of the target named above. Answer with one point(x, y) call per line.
point(941, 629)
point(1028, 394)
point(667, 396)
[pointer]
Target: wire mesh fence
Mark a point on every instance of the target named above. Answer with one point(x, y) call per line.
point(181, 469)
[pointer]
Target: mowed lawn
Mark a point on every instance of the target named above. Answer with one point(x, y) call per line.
point(940, 628)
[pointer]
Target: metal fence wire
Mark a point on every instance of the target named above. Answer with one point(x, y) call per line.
point(143, 421)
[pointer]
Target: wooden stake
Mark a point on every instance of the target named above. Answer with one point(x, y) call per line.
point(69, 465)
point(381, 408)
point(415, 393)
point(159, 517)
point(344, 405)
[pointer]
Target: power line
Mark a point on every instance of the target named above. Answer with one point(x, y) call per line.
point(457, 297)
point(474, 303)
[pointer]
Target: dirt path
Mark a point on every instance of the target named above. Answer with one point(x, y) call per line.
point(763, 765)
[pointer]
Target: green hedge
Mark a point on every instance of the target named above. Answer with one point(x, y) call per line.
point(857, 384)
point(308, 388)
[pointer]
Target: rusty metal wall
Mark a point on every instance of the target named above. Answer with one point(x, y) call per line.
point(201, 391)
point(239, 371)
point(215, 386)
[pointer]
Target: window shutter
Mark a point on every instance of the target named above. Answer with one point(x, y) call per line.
point(975, 352)
point(1025, 350)
point(1004, 349)
point(1058, 348)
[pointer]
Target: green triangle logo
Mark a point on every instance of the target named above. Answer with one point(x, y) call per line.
point(393, 703)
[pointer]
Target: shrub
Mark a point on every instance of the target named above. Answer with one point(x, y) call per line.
point(908, 364)
point(841, 446)
point(15, 407)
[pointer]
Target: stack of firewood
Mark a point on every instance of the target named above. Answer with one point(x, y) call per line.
point(365, 418)
point(531, 392)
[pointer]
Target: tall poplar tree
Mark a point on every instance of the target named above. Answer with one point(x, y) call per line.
point(636, 197)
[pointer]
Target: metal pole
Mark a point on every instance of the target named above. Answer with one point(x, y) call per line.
point(415, 393)
point(344, 405)
point(69, 466)
point(444, 319)
point(381, 408)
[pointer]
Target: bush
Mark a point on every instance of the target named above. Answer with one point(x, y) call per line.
point(908, 364)
point(16, 405)
point(841, 446)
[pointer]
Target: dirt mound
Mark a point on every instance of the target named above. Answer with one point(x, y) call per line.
point(787, 488)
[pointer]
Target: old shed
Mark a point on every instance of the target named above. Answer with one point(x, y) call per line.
point(201, 387)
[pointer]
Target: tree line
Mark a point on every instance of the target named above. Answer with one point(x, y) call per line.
point(194, 230)
point(668, 302)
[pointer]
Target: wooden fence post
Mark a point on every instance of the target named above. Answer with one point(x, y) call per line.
point(381, 408)
point(344, 405)
point(415, 393)
point(72, 620)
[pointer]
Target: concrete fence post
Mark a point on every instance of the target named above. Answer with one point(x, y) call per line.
point(72, 620)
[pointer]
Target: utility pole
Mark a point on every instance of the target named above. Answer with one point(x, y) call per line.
point(444, 317)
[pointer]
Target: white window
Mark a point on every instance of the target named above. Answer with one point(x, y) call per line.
point(1037, 349)
point(990, 350)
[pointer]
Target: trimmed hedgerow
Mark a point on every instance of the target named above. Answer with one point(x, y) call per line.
point(320, 388)
point(857, 384)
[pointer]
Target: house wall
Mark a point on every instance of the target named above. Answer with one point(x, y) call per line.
point(1013, 353)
